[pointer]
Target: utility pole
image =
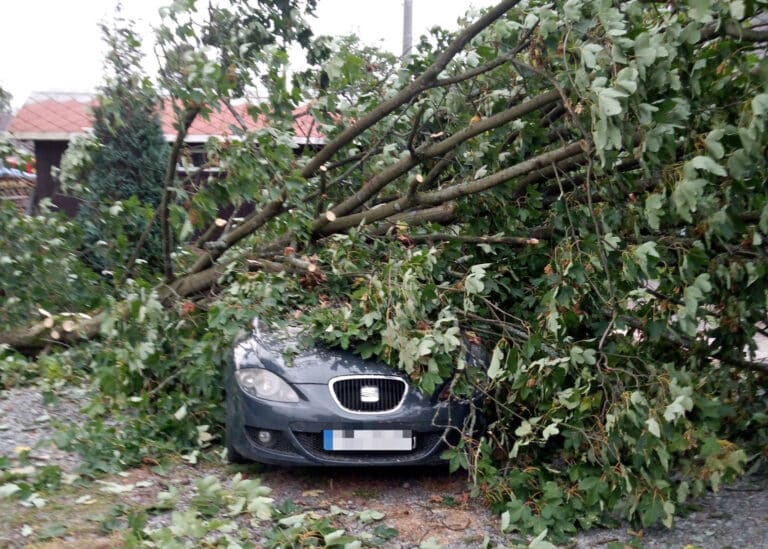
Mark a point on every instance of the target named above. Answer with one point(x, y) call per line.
point(407, 27)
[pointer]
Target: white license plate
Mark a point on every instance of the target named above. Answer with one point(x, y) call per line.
point(368, 440)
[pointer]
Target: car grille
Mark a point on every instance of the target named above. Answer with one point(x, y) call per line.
point(313, 445)
point(347, 392)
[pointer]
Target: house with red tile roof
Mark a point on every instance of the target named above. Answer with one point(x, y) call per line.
point(51, 120)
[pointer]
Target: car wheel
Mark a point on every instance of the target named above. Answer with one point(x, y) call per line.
point(233, 456)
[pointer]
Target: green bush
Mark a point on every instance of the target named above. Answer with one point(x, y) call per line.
point(128, 160)
point(40, 269)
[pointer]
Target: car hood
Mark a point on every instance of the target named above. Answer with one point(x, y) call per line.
point(284, 355)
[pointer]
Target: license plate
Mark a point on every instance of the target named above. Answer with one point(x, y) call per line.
point(368, 440)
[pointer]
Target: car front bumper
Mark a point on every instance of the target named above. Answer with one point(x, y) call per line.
point(297, 428)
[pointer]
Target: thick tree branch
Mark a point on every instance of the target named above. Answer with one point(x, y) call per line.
point(414, 131)
point(189, 116)
point(354, 158)
point(175, 152)
point(549, 171)
point(434, 198)
point(501, 240)
point(743, 364)
point(389, 174)
point(547, 120)
point(236, 115)
point(522, 168)
point(419, 85)
point(733, 30)
point(551, 193)
point(251, 223)
point(39, 334)
point(191, 284)
point(288, 264)
point(443, 214)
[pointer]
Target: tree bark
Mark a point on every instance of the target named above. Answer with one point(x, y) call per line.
point(170, 175)
point(516, 241)
point(38, 335)
point(381, 180)
point(251, 224)
point(443, 214)
point(453, 192)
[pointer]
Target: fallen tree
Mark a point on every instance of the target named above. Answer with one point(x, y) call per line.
point(580, 185)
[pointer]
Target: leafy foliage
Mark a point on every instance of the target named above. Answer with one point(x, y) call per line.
point(41, 268)
point(577, 186)
point(137, 368)
point(127, 159)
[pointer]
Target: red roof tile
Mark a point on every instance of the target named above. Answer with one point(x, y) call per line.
point(61, 116)
point(65, 115)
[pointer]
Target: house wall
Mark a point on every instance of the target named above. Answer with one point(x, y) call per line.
point(47, 155)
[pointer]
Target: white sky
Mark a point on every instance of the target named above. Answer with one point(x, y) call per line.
point(55, 45)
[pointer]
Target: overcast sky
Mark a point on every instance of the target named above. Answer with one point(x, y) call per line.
point(55, 45)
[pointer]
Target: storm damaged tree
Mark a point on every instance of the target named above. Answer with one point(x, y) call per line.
point(580, 186)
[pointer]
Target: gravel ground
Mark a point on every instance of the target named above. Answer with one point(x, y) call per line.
point(418, 503)
point(26, 421)
point(736, 516)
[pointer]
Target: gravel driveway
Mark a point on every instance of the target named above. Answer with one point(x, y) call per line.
point(419, 503)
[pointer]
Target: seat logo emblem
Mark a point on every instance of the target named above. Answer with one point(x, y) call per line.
point(369, 394)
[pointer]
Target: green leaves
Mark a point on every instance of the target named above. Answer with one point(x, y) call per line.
point(678, 408)
point(8, 489)
point(626, 79)
point(764, 219)
point(589, 53)
point(648, 47)
point(40, 268)
point(505, 521)
point(611, 340)
point(705, 163)
point(760, 105)
point(693, 296)
point(473, 283)
point(495, 367)
point(580, 355)
point(524, 429)
point(701, 10)
point(712, 142)
point(643, 253)
point(608, 101)
point(687, 196)
point(653, 427)
point(369, 515)
point(654, 209)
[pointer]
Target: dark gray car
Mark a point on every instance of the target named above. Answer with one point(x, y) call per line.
point(330, 407)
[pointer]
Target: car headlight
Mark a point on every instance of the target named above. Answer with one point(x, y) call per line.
point(264, 384)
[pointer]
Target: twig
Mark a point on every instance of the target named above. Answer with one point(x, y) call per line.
point(503, 240)
point(414, 131)
point(477, 71)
